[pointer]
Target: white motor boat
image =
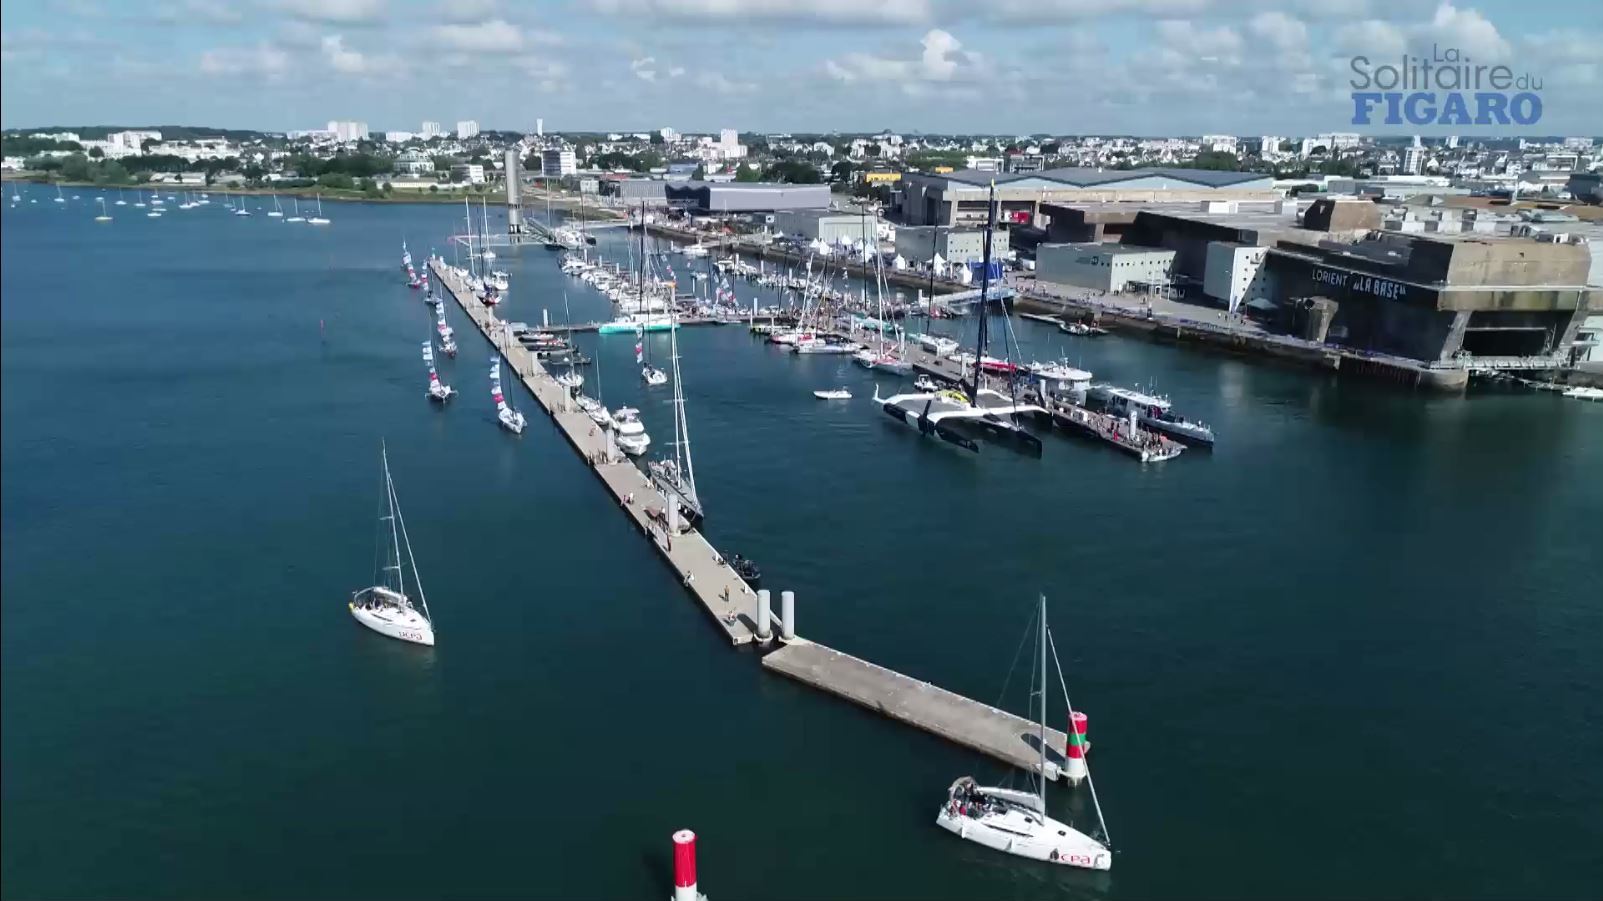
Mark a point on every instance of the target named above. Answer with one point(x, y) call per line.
point(499, 280)
point(935, 344)
point(386, 608)
point(833, 394)
point(1584, 393)
point(632, 437)
point(1015, 821)
point(569, 379)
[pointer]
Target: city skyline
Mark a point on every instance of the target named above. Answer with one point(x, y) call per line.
point(1137, 67)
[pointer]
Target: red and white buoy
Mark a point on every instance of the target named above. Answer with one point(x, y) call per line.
point(1074, 768)
point(684, 867)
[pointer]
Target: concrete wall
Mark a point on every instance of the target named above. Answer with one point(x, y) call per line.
point(1233, 273)
point(828, 228)
point(918, 244)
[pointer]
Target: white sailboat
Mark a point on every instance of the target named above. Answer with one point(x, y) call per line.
point(104, 216)
point(277, 212)
point(438, 390)
point(676, 478)
point(120, 200)
point(386, 608)
point(447, 334)
point(841, 393)
point(1017, 822)
point(297, 217)
point(318, 219)
point(59, 197)
point(510, 418)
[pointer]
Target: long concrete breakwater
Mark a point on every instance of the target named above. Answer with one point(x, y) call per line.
point(730, 602)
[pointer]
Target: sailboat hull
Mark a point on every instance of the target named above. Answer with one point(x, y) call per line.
point(1026, 834)
point(402, 625)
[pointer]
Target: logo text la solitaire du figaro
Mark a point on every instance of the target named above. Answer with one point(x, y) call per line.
point(1447, 88)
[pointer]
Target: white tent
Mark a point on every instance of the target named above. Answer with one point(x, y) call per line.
point(899, 263)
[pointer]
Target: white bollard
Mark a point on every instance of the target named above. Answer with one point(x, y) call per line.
point(787, 615)
point(764, 616)
point(545, 317)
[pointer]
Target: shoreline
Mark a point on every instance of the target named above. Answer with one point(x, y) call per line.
point(491, 197)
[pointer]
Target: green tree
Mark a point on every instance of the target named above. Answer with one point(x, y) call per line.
point(657, 139)
point(700, 174)
point(336, 181)
point(75, 167)
point(748, 173)
point(842, 171)
point(794, 172)
point(96, 153)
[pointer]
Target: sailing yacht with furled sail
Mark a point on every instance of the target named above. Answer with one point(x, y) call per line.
point(676, 478)
point(510, 418)
point(438, 390)
point(386, 608)
point(1017, 822)
point(297, 217)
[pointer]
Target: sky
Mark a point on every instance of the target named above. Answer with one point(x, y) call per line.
point(1144, 67)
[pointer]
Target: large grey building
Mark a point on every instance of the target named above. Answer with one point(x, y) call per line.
point(920, 244)
point(746, 197)
point(822, 225)
point(1103, 267)
point(635, 191)
point(958, 198)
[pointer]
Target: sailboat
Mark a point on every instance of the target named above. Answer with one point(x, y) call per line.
point(297, 217)
point(120, 201)
point(406, 257)
point(438, 390)
point(511, 419)
point(447, 334)
point(676, 478)
point(594, 407)
point(949, 415)
point(385, 607)
point(104, 216)
point(318, 219)
point(277, 212)
point(1017, 822)
point(59, 197)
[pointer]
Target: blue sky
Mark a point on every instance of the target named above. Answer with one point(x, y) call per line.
point(1151, 67)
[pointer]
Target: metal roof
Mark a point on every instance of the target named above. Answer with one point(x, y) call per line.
point(1084, 177)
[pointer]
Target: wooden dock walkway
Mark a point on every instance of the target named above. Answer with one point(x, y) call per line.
point(981, 727)
point(722, 593)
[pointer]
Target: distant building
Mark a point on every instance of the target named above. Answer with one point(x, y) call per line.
point(958, 198)
point(1019, 162)
point(539, 128)
point(1586, 187)
point(398, 137)
point(1109, 268)
point(471, 173)
point(960, 246)
point(881, 177)
point(1233, 273)
point(983, 163)
point(745, 197)
point(556, 163)
point(467, 128)
point(430, 131)
point(348, 131)
point(414, 162)
point(822, 225)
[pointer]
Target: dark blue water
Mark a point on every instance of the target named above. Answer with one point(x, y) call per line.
point(1354, 651)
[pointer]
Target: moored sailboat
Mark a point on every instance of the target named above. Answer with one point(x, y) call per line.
point(676, 477)
point(510, 418)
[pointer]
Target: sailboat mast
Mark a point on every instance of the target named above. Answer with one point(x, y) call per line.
point(985, 287)
point(417, 580)
point(1042, 781)
point(395, 540)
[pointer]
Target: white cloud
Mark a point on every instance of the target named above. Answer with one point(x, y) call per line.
point(676, 71)
point(340, 12)
point(1280, 30)
point(465, 10)
point(489, 36)
point(644, 68)
point(1372, 38)
point(1038, 10)
point(261, 61)
point(942, 59)
point(817, 12)
point(350, 61)
point(1185, 42)
point(198, 12)
point(718, 83)
point(1468, 31)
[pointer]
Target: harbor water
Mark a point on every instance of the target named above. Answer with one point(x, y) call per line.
point(1352, 651)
